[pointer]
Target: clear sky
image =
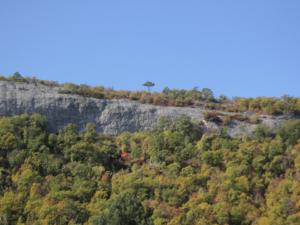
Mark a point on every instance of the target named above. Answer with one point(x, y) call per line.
point(239, 48)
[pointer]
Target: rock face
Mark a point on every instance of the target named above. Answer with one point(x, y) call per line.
point(109, 116)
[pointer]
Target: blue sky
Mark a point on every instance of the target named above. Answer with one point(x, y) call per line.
point(239, 48)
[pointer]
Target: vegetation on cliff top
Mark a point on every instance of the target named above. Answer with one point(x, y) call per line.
point(178, 97)
point(174, 174)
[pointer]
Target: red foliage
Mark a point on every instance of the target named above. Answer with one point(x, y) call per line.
point(125, 156)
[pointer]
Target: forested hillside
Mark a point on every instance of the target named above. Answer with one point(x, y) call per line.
point(175, 174)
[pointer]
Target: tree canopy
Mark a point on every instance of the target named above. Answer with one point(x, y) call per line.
point(149, 85)
point(175, 174)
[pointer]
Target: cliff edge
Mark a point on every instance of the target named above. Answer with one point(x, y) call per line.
point(109, 116)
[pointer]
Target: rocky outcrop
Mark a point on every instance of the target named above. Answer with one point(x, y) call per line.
point(109, 116)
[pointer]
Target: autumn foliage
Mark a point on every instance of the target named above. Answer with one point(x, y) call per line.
point(175, 174)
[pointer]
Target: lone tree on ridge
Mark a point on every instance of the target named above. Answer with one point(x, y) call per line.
point(149, 85)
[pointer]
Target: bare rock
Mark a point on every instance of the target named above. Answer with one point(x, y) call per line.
point(109, 116)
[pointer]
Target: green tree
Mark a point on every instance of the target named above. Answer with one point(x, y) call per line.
point(125, 209)
point(17, 76)
point(207, 94)
point(149, 85)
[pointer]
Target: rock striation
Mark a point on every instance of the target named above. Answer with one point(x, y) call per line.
point(109, 116)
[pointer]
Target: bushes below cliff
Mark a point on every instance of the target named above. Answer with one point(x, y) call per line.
point(174, 174)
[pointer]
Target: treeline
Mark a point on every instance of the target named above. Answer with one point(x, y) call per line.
point(269, 106)
point(17, 77)
point(178, 97)
point(194, 98)
point(167, 97)
point(175, 174)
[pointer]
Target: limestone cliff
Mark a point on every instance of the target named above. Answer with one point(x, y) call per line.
point(109, 116)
